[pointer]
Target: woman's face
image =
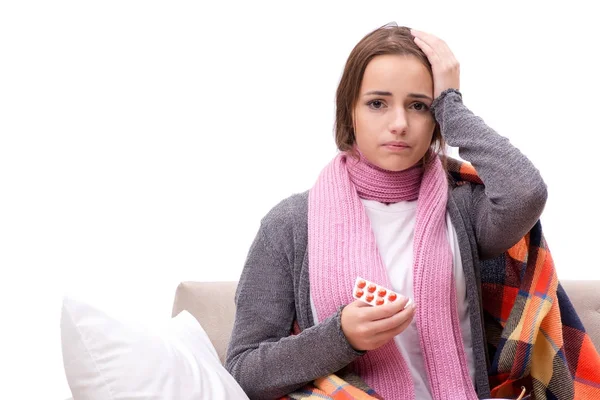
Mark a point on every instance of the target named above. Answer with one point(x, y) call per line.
point(392, 122)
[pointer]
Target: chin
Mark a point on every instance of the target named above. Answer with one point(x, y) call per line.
point(394, 166)
point(399, 168)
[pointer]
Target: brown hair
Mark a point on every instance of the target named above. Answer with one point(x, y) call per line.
point(389, 39)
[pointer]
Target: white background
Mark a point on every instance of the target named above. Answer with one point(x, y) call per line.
point(141, 142)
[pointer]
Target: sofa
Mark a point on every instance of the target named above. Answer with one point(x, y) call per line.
point(212, 304)
point(183, 356)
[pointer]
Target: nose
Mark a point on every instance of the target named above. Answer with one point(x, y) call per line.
point(398, 122)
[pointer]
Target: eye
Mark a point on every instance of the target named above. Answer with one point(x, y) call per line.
point(376, 104)
point(420, 106)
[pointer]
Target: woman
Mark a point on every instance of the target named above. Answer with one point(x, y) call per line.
point(384, 209)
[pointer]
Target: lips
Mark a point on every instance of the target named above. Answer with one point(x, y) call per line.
point(399, 145)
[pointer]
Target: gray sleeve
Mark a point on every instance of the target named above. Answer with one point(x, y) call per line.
point(514, 194)
point(262, 356)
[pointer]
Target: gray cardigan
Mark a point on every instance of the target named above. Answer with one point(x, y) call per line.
point(273, 289)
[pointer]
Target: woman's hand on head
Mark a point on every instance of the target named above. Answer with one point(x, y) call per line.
point(369, 327)
point(445, 67)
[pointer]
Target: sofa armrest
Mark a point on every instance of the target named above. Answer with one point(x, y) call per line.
point(585, 296)
point(212, 304)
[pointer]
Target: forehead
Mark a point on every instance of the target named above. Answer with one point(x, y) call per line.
point(397, 74)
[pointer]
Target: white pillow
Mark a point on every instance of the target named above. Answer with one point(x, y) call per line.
point(108, 359)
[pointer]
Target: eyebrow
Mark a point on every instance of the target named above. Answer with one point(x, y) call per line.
point(384, 93)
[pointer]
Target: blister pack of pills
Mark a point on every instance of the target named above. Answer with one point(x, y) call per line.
point(373, 294)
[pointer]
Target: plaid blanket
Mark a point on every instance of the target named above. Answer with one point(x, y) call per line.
point(346, 387)
point(535, 338)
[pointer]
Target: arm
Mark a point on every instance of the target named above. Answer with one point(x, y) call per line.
point(262, 356)
point(514, 194)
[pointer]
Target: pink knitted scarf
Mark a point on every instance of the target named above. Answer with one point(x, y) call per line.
point(342, 246)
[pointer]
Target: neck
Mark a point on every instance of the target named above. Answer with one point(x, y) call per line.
point(375, 183)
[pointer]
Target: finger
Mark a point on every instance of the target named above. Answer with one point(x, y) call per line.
point(358, 304)
point(441, 59)
point(395, 320)
point(390, 333)
point(421, 34)
point(446, 54)
point(431, 54)
point(361, 310)
point(386, 310)
point(439, 46)
point(433, 41)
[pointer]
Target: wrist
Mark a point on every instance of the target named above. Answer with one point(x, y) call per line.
point(445, 93)
point(349, 342)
